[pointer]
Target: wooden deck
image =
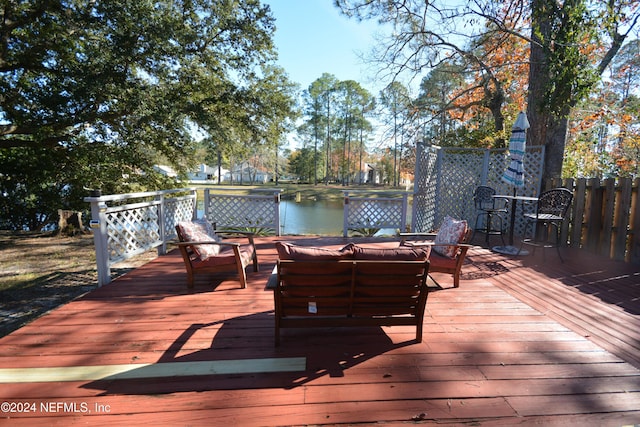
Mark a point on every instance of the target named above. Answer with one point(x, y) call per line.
point(521, 342)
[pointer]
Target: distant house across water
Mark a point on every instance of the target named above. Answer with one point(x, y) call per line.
point(244, 173)
point(203, 175)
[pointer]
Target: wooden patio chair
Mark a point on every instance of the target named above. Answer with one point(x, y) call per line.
point(449, 247)
point(204, 251)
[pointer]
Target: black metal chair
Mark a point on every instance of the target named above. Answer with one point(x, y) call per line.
point(489, 208)
point(551, 211)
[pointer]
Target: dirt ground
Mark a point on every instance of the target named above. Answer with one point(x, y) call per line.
point(41, 271)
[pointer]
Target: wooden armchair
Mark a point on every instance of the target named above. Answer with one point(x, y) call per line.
point(445, 257)
point(204, 251)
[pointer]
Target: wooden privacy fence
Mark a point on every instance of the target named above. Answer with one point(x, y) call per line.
point(604, 217)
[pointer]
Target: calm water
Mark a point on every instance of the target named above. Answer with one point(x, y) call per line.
point(323, 217)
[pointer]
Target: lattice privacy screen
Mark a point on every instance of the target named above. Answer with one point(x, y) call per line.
point(446, 177)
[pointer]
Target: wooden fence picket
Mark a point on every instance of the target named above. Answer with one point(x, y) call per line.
point(604, 217)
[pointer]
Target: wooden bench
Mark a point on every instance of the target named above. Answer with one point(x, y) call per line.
point(332, 293)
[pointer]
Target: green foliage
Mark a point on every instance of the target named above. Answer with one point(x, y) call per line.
point(364, 232)
point(572, 73)
point(605, 135)
point(571, 43)
point(302, 163)
point(94, 93)
point(336, 126)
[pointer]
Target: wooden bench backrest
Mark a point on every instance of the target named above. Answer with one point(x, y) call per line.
point(351, 288)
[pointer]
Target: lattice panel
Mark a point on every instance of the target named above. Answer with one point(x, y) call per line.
point(371, 213)
point(176, 210)
point(445, 186)
point(132, 231)
point(241, 211)
point(424, 198)
point(459, 175)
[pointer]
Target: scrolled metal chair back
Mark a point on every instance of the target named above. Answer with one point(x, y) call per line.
point(483, 197)
point(555, 202)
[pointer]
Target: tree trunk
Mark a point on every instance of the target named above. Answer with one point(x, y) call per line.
point(554, 147)
point(545, 129)
point(70, 222)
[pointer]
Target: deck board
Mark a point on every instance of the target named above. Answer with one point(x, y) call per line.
point(522, 341)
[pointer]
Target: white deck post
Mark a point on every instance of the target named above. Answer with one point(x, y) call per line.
point(98, 225)
point(405, 208)
point(276, 199)
point(345, 221)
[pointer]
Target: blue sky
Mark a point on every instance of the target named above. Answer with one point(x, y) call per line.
point(312, 38)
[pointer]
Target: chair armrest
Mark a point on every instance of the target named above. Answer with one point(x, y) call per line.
point(432, 243)
point(418, 234)
point(500, 202)
point(240, 232)
point(248, 234)
point(458, 245)
point(212, 242)
point(411, 236)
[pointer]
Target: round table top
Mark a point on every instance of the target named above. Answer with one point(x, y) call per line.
point(516, 197)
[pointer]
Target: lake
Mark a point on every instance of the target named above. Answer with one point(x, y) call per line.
point(322, 217)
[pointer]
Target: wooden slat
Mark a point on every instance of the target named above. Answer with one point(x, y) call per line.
point(522, 341)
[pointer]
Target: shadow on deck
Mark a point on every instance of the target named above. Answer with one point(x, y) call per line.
point(522, 341)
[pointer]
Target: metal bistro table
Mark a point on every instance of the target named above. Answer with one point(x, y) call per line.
point(510, 249)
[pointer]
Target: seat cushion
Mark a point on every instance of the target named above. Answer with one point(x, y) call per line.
point(310, 253)
point(408, 253)
point(200, 231)
point(226, 256)
point(451, 231)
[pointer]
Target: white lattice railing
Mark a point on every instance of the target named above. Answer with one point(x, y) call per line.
point(374, 212)
point(228, 211)
point(125, 225)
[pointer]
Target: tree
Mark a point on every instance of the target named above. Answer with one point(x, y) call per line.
point(101, 90)
point(352, 100)
point(434, 101)
point(303, 164)
point(336, 111)
point(320, 109)
point(571, 44)
point(604, 130)
point(396, 100)
point(273, 112)
point(426, 37)
point(366, 105)
point(316, 109)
